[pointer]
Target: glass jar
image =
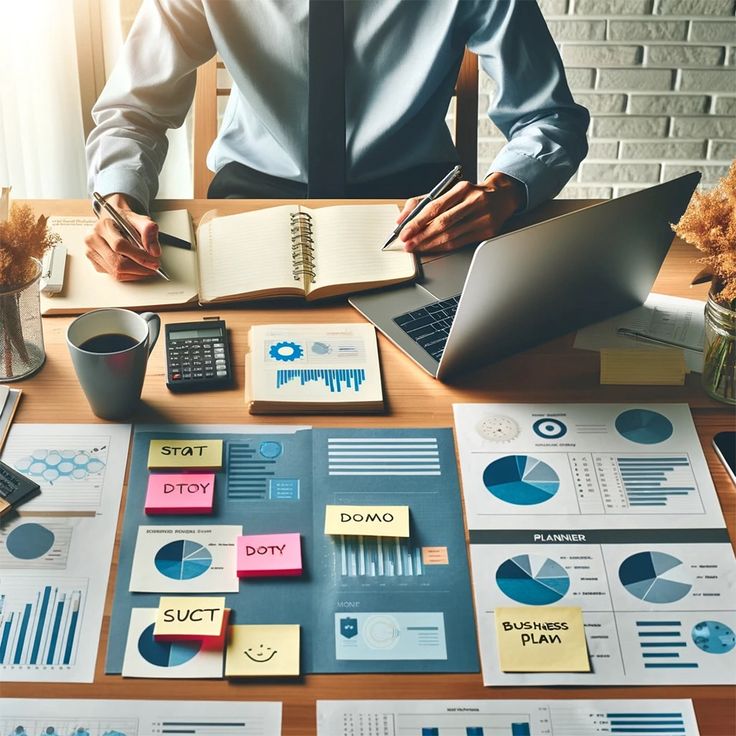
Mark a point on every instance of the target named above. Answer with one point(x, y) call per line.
point(21, 334)
point(719, 366)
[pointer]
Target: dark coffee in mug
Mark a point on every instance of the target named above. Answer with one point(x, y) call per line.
point(111, 342)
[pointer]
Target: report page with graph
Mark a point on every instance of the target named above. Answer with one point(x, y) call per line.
point(55, 557)
point(363, 603)
point(608, 507)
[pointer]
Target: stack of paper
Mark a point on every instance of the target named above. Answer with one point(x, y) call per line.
point(656, 367)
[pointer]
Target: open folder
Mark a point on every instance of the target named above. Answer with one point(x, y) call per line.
point(286, 250)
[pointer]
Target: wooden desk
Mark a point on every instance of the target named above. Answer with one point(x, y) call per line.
point(550, 372)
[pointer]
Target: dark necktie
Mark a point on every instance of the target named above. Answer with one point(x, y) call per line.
point(326, 123)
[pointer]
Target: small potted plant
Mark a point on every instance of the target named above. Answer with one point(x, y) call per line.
point(23, 241)
point(710, 225)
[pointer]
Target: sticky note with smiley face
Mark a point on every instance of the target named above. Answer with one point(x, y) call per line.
point(262, 650)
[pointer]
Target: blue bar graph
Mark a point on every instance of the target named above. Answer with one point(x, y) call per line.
point(646, 723)
point(378, 557)
point(474, 731)
point(336, 380)
point(430, 731)
point(655, 481)
point(520, 729)
point(40, 625)
point(662, 646)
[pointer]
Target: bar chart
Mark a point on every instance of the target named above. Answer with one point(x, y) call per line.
point(378, 557)
point(648, 483)
point(40, 623)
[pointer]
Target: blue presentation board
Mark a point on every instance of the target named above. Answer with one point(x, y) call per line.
point(364, 604)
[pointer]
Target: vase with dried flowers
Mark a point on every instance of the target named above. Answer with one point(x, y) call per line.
point(710, 225)
point(23, 241)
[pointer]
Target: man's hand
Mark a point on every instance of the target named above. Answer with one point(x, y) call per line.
point(467, 213)
point(110, 252)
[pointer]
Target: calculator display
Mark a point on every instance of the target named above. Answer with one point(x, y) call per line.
point(188, 334)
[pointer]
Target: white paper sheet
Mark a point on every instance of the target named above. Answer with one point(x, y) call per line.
point(669, 318)
point(185, 559)
point(139, 717)
point(55, 566)
point(609, 507)
point(512, 717)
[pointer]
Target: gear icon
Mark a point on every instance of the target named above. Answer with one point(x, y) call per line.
point(286, 351)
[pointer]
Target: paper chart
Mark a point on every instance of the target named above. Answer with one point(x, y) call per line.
point(55, 557)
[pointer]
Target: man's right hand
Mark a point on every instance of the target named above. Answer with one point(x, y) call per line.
point(110, 252)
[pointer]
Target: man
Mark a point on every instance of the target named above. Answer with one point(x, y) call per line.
point(401, 59)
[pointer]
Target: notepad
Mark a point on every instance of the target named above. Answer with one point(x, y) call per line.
point(655, 367)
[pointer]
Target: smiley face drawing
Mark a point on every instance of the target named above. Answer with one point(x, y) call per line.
point(260, 653)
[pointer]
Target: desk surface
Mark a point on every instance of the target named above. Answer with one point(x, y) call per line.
point(550, 372)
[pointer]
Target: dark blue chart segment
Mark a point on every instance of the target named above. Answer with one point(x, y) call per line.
point(29, 541)
point(713, 637)
point(522, 480)
point(653, 577)
point(183, 559)
point(549, 428)
point(643, 426)
point(532, 580)
point(165, 653)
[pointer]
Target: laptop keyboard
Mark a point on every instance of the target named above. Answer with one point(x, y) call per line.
point(430, 325)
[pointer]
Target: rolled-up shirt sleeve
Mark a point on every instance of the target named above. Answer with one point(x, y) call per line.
point(533, 106)
point(149, 91)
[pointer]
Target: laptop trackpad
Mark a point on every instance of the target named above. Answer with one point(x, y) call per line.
point(444, 276)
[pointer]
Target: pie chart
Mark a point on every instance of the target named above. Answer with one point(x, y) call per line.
point(713, 637)
point(521, 479)
point(643, 426)
point(29, 541)
point(183, 560)
point(165, 653)
point(654, 577)
point(532, 580)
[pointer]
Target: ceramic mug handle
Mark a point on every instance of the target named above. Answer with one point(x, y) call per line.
point(154, 327)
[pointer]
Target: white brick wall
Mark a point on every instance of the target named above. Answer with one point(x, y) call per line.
point(659, 79)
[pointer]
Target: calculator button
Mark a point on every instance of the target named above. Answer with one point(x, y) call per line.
point(221, 373)
point(176, 376)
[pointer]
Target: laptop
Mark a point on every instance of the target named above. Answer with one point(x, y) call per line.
point(475, 306)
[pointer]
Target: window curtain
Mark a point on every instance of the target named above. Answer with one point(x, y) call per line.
point(41, 132)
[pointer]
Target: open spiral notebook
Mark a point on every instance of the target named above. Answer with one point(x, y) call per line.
point(287, 250)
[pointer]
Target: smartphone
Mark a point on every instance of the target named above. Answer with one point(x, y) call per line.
point(725, 445)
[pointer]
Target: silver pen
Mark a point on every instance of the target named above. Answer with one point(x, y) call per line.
point(627, 332)
point(126, 229)
point(437, 191)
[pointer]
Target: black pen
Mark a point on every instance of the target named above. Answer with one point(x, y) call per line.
point(438, 191)
point(126, 229)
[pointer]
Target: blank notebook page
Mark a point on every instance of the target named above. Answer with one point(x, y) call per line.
point(349, 240)
point(239, 254)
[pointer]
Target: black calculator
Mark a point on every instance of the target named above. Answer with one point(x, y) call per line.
point(198, 356)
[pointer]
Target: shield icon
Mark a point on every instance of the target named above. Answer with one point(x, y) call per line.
point(349, 627)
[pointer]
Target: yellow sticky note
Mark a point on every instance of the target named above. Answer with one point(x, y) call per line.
point(368, 521)
point(544, 639)
point(189, 617)
point(650, 367)
point(202, 454)
point(262, 651)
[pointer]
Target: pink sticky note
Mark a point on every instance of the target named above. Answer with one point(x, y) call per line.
point(269, 554)
point(180, 493)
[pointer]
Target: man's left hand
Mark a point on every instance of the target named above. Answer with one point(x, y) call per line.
point(467, 213)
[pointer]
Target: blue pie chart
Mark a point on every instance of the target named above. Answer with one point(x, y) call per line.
point(643, 426)
point(521, 479)
point(655, 577)
point(183, 560)
point(533, 580)
point(29, 541)
point(713, 637)
point(165, 653)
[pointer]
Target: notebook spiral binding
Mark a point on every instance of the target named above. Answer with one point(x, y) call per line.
point(302, 247)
